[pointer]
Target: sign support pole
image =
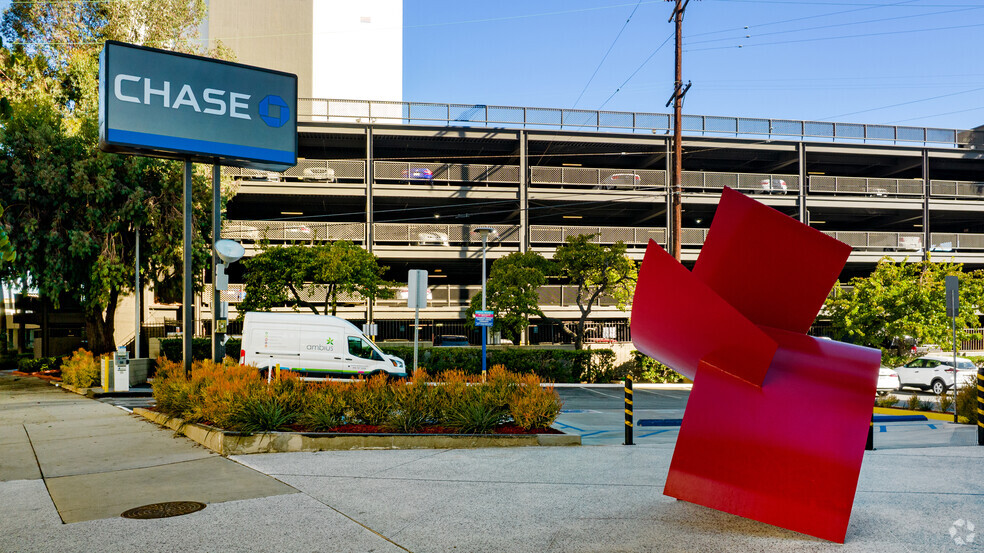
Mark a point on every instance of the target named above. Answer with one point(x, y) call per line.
point(188, 318)
point(218, 349)
point(136, 296)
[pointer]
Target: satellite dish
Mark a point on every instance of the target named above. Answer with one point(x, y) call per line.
point(229, 251)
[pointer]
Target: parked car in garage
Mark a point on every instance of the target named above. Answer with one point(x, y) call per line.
point(450, 341)
point(774, 186)
point(318, 174)
point(418, 173)
point(620, 180)
point(935, 372)
point(888, 381)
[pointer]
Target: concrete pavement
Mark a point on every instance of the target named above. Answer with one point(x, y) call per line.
point(74, 459)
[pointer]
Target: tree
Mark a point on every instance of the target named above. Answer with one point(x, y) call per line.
point(7, 255)
point(904, 302)
point(74, 209)
point(595, 270)
point(511, 291)
point(286, 275)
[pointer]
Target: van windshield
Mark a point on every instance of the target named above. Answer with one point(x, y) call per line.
point(360, 347)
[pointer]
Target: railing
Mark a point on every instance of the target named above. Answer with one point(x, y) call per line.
point(308, 170)
point(411, 113)
point(631, 236)
point(442, 235)
point(287, 231)
point(754, 182)
point(956, 241)
point(606, 179)
point(958, 189)
point(408, 172)
point(884, 241)
point(869, 187)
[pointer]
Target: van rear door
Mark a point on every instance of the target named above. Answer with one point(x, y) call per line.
point(272, 346)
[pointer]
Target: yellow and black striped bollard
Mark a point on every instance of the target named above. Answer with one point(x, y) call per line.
point(628, 410)
point(980, 407)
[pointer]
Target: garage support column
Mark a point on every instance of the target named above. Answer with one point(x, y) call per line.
point(803, 182)
point(524, 196)
point(369, 176)
point(927, 244)
point(669, 196)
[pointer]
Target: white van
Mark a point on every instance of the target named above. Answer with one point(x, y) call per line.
point(309, 343)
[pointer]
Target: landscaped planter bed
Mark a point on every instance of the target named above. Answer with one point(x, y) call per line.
point(237, 443)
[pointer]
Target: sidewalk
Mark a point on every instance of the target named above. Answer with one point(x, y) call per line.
point(97, 461)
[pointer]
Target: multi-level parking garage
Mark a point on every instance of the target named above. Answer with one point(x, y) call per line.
point(410, 181)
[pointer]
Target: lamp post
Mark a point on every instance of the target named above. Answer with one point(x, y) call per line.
point(484, 232)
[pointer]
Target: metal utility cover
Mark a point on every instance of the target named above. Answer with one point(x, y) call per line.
point(165, 104)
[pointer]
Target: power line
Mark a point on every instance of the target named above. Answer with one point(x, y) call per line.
point(864, 35)
point(619, 35)
point(643, 64)
point(904, 103)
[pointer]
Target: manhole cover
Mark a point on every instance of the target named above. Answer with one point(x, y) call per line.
point(164, 510)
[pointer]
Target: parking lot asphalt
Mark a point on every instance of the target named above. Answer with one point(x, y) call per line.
point(598, 498)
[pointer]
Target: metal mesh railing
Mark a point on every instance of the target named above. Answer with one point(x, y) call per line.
point(442, 235)
point(411, 113)
point(752, 182)
point(632, 236)
point(956, 189)
point(880, 241)
point(956, 241)
point(290, 231)
point(871, 187)
point(308, 170)
point(414, 173)
point(603, 179)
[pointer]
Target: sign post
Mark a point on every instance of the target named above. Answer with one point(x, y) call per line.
point(416, 298)
point(952, 309)
point(484, 320)
point(166, 104)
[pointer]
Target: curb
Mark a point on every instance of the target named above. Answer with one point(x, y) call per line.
point(947, 417)
point(235, 443)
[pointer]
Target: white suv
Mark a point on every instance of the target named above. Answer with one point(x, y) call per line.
point(935, 372)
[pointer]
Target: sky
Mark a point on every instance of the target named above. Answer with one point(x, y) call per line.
point(908, 62)
point(913, 63)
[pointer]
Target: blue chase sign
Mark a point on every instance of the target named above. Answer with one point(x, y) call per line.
point(165, 104)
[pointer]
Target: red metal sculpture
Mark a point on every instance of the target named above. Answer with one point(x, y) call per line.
point(776, 423)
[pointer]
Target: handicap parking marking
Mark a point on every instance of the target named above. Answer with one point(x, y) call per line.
point(908, 427)
point(657, 432)
point(595, 433)
point(568, 426)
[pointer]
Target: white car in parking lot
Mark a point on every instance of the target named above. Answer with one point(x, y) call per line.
point(888, 381)
point(935, 372)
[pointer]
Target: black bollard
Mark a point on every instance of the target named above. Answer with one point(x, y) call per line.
point(980, 406)
point(628, 410)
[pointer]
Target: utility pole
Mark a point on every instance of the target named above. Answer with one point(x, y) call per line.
point(677, 99)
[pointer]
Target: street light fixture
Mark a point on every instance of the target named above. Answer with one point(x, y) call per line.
point(484, 232)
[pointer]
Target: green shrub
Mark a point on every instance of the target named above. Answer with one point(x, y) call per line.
point(325, 406)
point(533, 406)
point(913, 402)
point(886, 401)
point(646, 369)
point(30, 365)
point(945, 401)
point(477, 414)
point(370, 401)
point(551, 365)
point(201, 348)
point(967, 402)
point(262, 413)
point(80, 370)
point(414, 404)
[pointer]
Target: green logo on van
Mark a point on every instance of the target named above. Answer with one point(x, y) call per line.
point(330, 341)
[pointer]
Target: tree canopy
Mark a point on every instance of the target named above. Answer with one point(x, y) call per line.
point(596, 271)
point(902, 302)
point(511, 291)
point(288, 275)
point(73, 209)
